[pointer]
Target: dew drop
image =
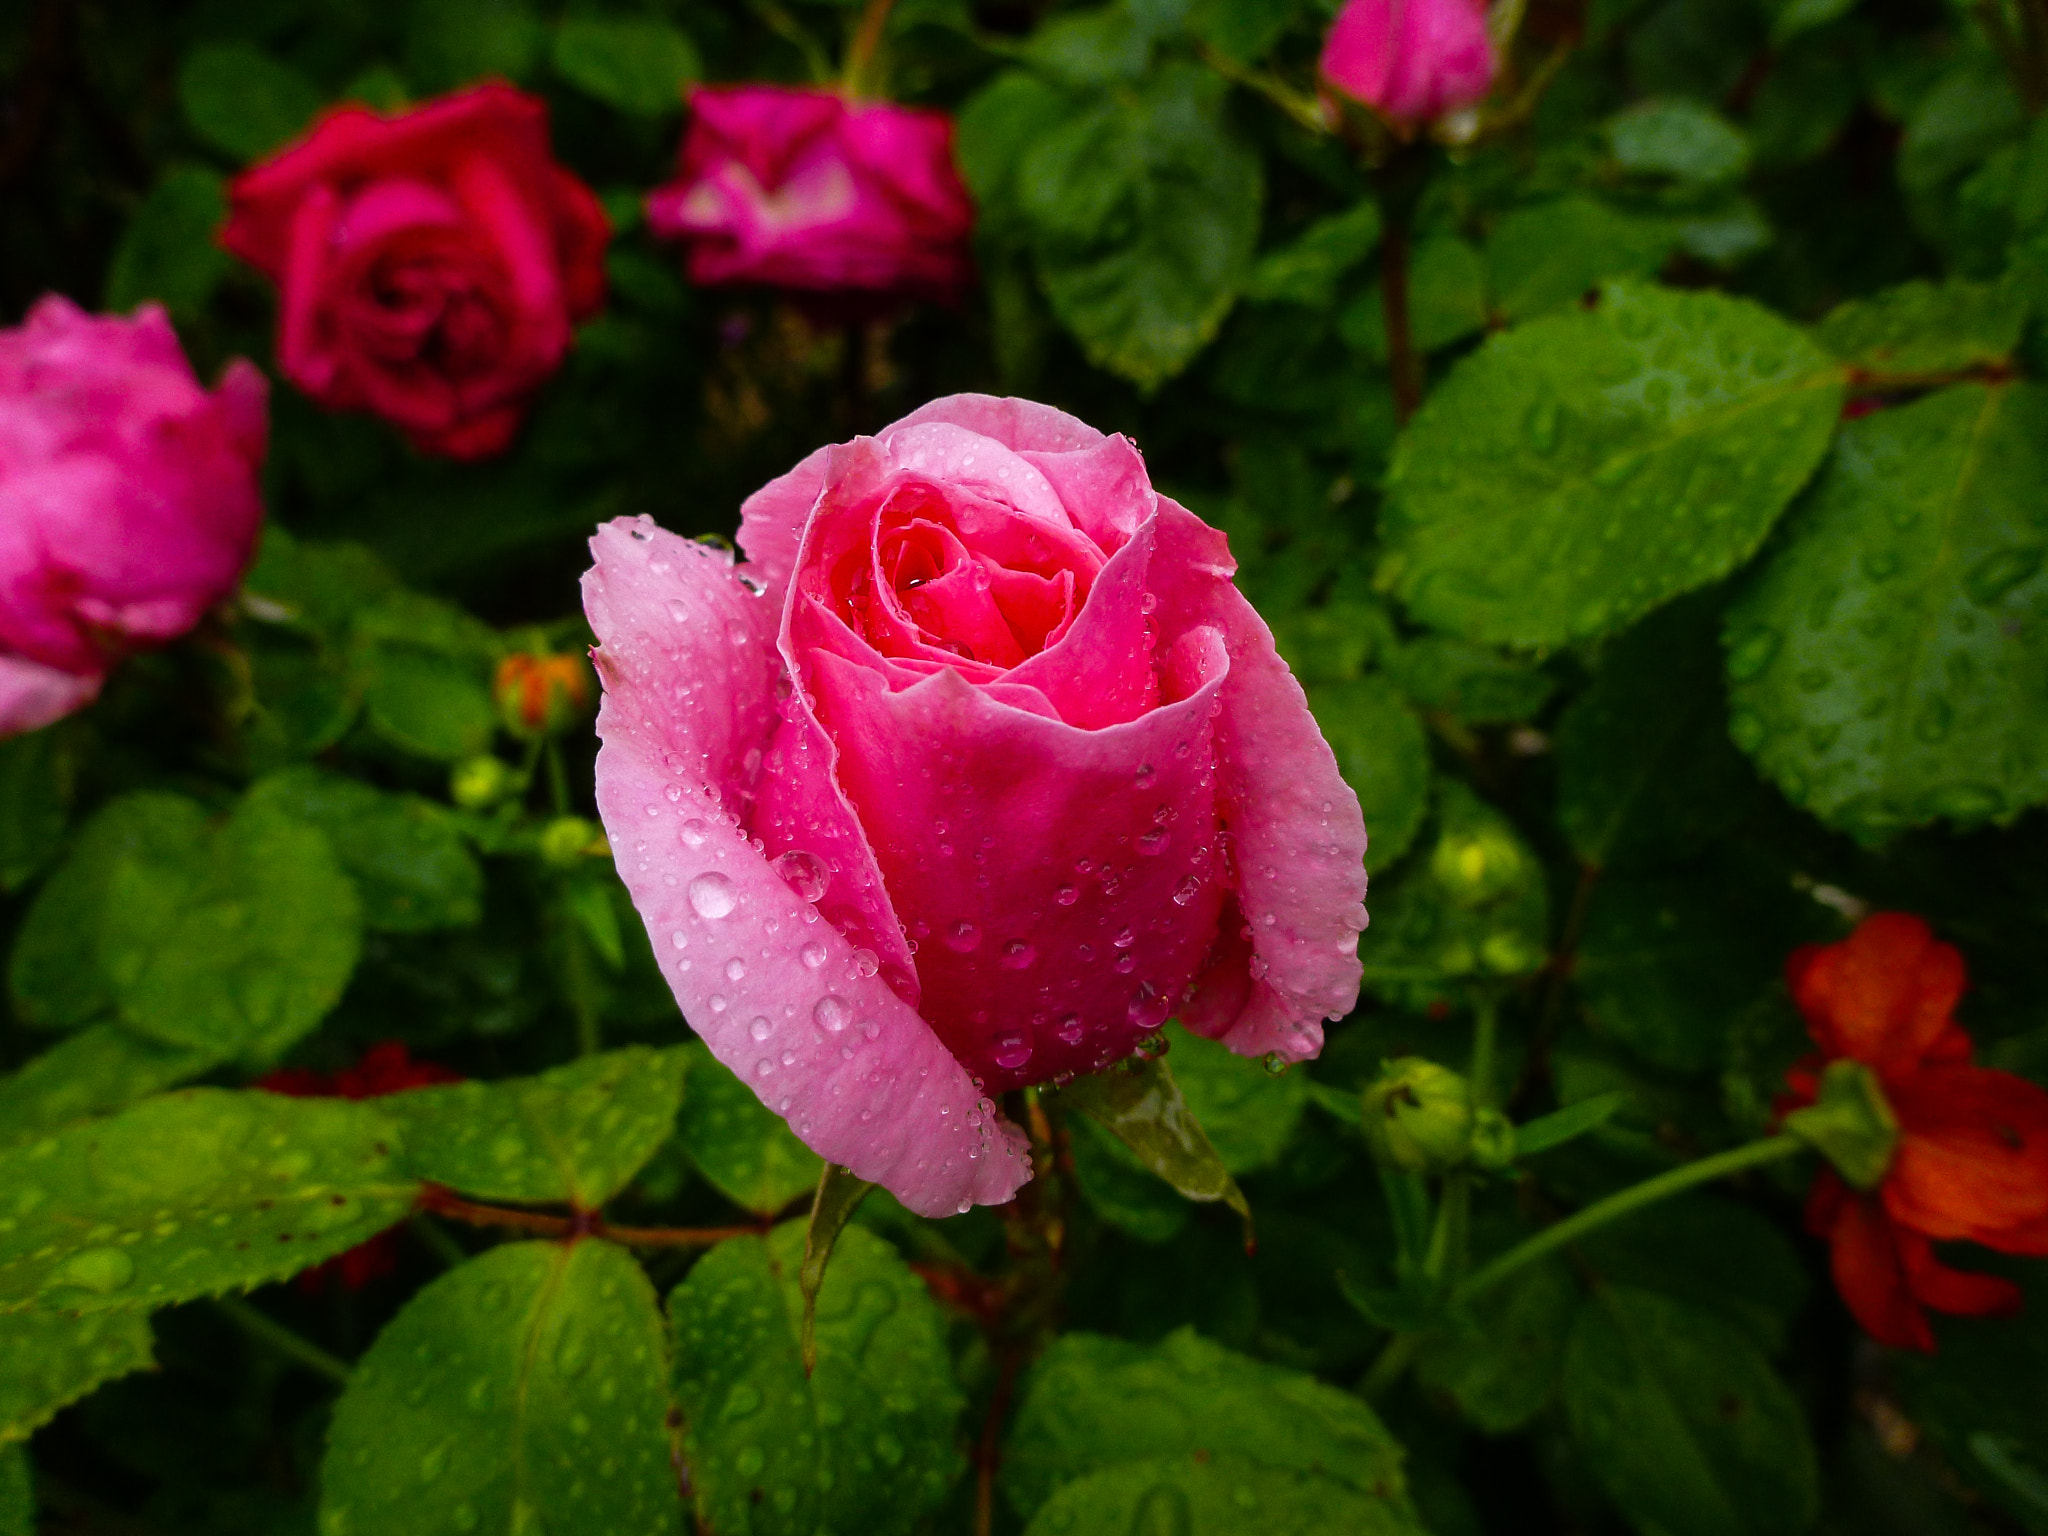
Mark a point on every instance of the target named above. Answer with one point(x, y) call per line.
point(1154, 841)
point(864, 963)
point(814, 954)
point(712, 895)
point(1012, 1050)
point(1125, 939)
point(1070, 1029)
point(1018, 954)
point(1186, 891)
point(693, 832)
point(760, 1029)
point(1066, 895)
point(962, 937)
point(805, 873)
point(832, 1013)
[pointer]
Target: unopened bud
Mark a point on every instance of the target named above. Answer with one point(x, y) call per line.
point(478, 783)
point(1419, 1116)
point(567, 840)
point(1493, 1140)
point(1478, 866)
point(540, 695)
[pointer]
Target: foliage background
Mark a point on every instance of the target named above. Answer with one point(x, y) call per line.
point(1686, 727)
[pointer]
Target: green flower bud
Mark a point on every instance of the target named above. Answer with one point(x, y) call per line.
point(568, 840)
point(1493, 1140)
point(1478, 866)
point(478, 783)
point(1419, 1116)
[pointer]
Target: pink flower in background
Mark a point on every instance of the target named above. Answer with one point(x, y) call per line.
point(1410, 59)
point(431, 263)
point(977, 770)
point(804, 189)
point(129, 501)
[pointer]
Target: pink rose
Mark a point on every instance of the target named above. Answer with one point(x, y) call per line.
point(977, 770)
point(431, 262)
point(1410, 59)
point(128, 498)
point(805, 189)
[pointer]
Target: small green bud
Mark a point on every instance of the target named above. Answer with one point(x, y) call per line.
point(1509, 954)
point(1493, 1140)
point(568, 840)
point(478, 783)
point(1478, 866)
point(1419, 1116)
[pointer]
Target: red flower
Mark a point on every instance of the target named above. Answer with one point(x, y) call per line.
point(431, 263)
point(1971, 1160)
point(387, 1067)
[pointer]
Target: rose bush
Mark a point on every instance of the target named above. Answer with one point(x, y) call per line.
point(430, 263)
point(805, 189)
point(129, 501)
point(1410, 60)
point(988, 705)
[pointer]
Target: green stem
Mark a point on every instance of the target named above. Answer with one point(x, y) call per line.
point(1388, 1368)
point(1305, 109)
point(558, 779)
point(859, 79)
point(267, 1330)
point(439, 1241)
point(1624, 1202)
point(1485, 1034)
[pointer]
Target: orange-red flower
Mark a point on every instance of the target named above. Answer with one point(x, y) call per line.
point(1971, 1160)
point(385, 1068)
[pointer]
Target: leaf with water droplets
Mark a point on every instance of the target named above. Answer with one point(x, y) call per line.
point(524, 1392)
point(1248, 1113)
point(577, 1133)
point(193, 1194)
point(1581, 469)
point(1383, 755)
point(1886, 666)
point(1093, 1404)
point(839, 1193)
point(1140, 1104)
point(1215, 1494)
point(746, 1150)
point(48, 1360)
point(98, 1070)
point(867, 1443)
point(1921, 327)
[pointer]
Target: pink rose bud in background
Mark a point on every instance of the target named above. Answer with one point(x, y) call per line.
point(430, 263)
point(973, 774)
point(129, 501)
point(1410, 59)
point(804, 189)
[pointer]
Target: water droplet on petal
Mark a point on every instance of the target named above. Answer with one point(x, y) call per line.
point(1012, 1050)
point(805, 873)
point(712, 895)
point(1018, 954)
point(760, 1029)
point(1070, 1029)
point(814, 954)
point(693, 832)
point(1066, 895)
point(832, 1013)
point(962, 937)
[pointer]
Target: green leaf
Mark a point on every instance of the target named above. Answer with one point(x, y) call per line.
point(1552, 254)
point(1470, 683)
point(1790, 18)
point(1679, 139)
point(35, 803)
point(192, 1194)
point(745, 1149)
point(1476, 908)
point(525, 1391)
point(637, 65)
point(867, 1443)
point(998, 126)
point(839, 1195)
point(1645, 771)
point(407, 855)
point(576, 1134)
point(1500, 1363)
point(1215, 1495)
point(1092, 1404)
point(425, 666)
point(1244, 30)
point(100, 1069)
point(168, 252)
point(1119, 1188)
point(1145, 217)
point(48, 1361)
point(1567, 1124)
point(17, 1493)
point(1582, 469)
point(1308, 269)
point(1712, 1253)
point(1383, 755)
point(1921, 327)
point(1446, 301)
point(1248, 1113)
point(1886, 666)
point(240, 941)
point(55, 973)
point(453, 42)
point(1667, 961)
point(1683, 1423)
point(1139, 1103)
point(241, 100)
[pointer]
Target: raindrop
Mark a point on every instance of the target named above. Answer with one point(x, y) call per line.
point(680, 939)
point(735, 969)
point(712, 895)
point(832, 1013)
point(1070, 1029)
point(1752, 653)
point(1145, 774)
point(760, 1029)
point(814, 954)
point(1066, 895)
point(804, 873)
point(1154, 841)
point(962, 937)
point(1124, 939)
point(1149, 1006)
point(1018, 954)
point(99, 1270)
point(1012, 1050)
point(1998, 573)
point(864, 963)
point(1186, 891)
point(693, 832)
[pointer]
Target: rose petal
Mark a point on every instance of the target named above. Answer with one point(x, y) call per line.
point(688, 700)
point(1297, 836)
point(1884, 995)
point(1973, 1157)
point(33, 696)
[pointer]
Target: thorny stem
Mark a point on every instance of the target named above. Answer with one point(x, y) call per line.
point(266, 1330)
point(1402, 363)
point(582, 1224)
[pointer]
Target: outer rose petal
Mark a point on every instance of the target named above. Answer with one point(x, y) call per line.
point(1298, 837)
point(1868, 1269)
point(33, 696)
point(686, 657)
point(1883, 995)
point(1972, 1160)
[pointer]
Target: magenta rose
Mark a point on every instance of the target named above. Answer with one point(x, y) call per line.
point(805, 189)
point(1410, 59)
point(128, 498)
point(430, 263)
point(972, 774)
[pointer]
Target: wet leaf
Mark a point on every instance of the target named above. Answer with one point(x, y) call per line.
point(1140, 1104)
point(745, 1149)
point(48, 1361)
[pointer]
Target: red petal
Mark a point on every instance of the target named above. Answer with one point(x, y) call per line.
point(1883, 995)
point(1973, 1159)
point(1871, 1275)
point(1953, 1290)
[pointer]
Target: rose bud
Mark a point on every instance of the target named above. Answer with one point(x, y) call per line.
point(1419, 1116)
point(431, 262)
point(977, 770)
point(805, 189)
point(541, 696)
point(129, 501)
point(1410, 60)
